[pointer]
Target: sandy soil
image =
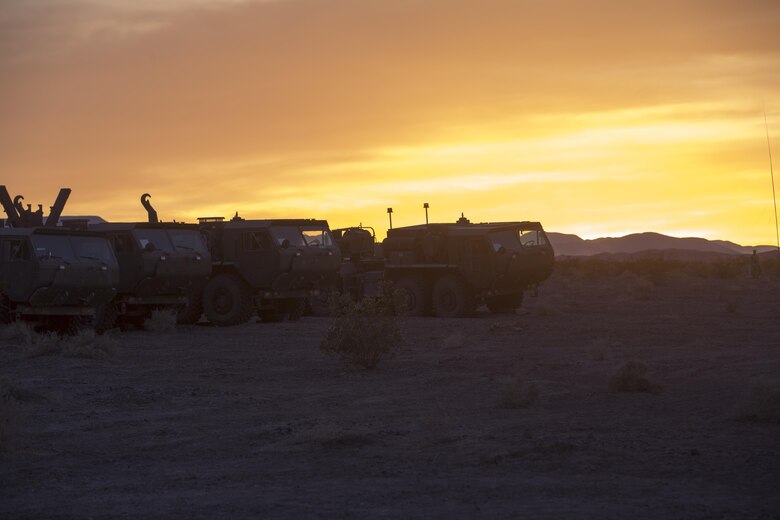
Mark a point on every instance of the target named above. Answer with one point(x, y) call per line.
point(256, 421)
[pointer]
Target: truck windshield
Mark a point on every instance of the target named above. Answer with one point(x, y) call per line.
point(317, 237)
point(53, 246)
point(291, 234)
point(187, 240)
point(94, 248)
point(514, 239)
point(157, 237)
point(532, 237)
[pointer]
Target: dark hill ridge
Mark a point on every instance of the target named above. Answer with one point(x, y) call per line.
point(572, 245)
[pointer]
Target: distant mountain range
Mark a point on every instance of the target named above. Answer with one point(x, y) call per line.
point(572, 245)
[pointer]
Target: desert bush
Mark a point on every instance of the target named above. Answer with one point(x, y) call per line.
point(366, 332)
point(9, 414)
point(631, 378)
point(760, 404)
point(162, 321)
point(18, 331)
point(43, 344)
point(515, 393)
point(87, 344)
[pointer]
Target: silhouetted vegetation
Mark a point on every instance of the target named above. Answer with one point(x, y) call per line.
point(365, 332)
point(658, 270)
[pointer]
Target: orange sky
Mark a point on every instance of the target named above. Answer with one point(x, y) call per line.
point(594, 117)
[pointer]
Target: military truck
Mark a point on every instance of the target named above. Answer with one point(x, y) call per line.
point(449, 269)
point(52, 276)
point(267, 267)
point(162, 265)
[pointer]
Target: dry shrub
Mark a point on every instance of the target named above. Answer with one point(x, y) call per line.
point(631, 378)
point(43, 344)
point(9, 415)
point(18, 331)
point(88, 344)
point(760, 404)
point(365, 332)
point(85, 344)
point(515, 393)
point(162, 321)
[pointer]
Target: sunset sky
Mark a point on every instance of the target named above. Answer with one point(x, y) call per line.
point(599, 118)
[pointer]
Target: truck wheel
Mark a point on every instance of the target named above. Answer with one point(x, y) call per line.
point(105, 318)
point(452, 298)
point(227, 300)
point(191, 312)
point(416, 301)
point(506, 303)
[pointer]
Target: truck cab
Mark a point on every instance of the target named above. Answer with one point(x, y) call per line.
point(268, 267)
point(161, 265)
point(56, 275)
point(450, 269)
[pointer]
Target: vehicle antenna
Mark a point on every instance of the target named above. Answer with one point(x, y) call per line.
point(772, 174)
point(425, 205)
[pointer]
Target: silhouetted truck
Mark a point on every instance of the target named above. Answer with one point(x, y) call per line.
point(268, 267)
point(450, 269)
point(55, 276)
point(162, 265)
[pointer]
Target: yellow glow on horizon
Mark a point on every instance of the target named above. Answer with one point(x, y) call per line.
point(633, 174)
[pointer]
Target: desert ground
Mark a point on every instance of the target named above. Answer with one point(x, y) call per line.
point(514, 416)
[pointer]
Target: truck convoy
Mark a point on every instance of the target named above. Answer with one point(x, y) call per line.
point(231, 270)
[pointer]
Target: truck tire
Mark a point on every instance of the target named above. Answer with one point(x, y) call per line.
point(416, 298)
point(191, 312)
point(105, 318)
point(453, 298)
point(227, 300)
point(506, 303)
